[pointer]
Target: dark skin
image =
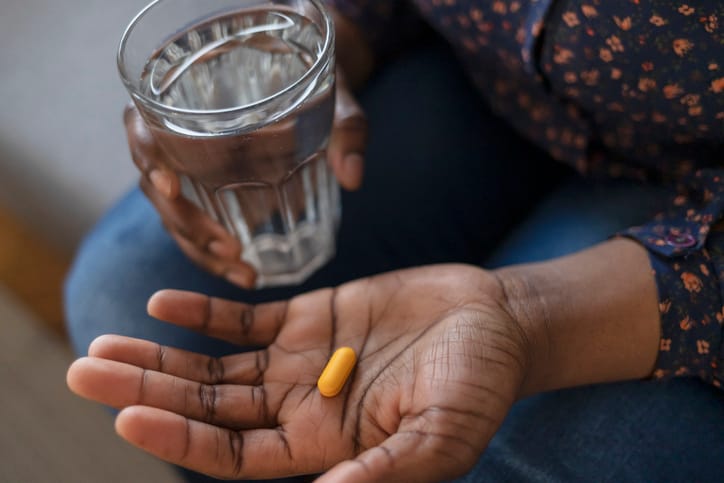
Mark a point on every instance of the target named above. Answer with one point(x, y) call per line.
point(444, 351)
point(259, 414)
point(202, 239)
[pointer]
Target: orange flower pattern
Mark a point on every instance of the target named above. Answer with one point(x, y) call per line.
point(692, 283)
point(614, 89)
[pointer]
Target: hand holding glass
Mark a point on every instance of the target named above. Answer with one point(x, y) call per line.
point(239, 94)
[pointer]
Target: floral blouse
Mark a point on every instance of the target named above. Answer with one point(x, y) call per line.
point(631, 88)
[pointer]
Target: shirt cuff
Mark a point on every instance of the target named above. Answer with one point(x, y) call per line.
point(686, 250)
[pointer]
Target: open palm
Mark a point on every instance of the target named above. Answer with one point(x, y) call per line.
point(440, 362)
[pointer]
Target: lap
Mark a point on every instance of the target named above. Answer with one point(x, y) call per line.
point(628, 432)
point(578, 214)
point(433, 193)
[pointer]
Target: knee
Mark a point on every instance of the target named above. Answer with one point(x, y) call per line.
point(107, 284)
point(81, 292)
point(98, 293)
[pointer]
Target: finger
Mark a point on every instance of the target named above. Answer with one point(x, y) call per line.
point(261, 453)
point(148, 155)
point(120, 385)
point(405, 456)
point(246, 368)
point(235, 322)
point(236, 272)
point(202, 239)
point(193, 224)
point(348, 140)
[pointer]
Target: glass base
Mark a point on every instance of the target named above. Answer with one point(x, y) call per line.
point(266, 280)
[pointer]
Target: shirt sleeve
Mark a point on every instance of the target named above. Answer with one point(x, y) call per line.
point(388, 25)
point(686, 247)
point(648, 76)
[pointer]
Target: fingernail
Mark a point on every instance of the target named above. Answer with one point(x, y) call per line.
point(242, 277)
point(222, 249)
point(161, 182)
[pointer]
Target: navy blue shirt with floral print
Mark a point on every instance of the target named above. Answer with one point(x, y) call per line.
point(630, 88)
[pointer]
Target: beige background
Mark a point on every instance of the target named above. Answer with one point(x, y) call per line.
point(49, 434)
point(63, 154)
point(63, 161)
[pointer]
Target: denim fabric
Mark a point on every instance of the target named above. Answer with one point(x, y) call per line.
point(438, 191)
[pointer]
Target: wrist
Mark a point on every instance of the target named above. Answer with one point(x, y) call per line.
point(590, 317)
point(529, 309)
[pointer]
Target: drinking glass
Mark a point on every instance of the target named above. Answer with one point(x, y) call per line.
point(239, 95)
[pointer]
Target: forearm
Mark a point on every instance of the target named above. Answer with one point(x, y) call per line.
point(591, 317)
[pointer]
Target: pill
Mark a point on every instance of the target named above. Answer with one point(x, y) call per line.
point(336, 372)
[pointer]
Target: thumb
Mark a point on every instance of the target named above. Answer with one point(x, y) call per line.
point(349, 138)
point(406, 456)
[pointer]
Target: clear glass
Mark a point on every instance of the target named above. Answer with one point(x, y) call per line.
point(239, 94)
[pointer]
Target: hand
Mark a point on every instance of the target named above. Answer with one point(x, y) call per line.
point(440, 362)
point(200, 237)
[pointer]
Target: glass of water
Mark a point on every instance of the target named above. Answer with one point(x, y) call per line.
point(239, 94)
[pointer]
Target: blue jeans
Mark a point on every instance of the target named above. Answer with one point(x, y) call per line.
point(446, 181)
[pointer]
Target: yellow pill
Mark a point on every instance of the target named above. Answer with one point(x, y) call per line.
point(336, 372)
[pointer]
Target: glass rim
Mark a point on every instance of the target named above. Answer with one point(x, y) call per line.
point(136, 93)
